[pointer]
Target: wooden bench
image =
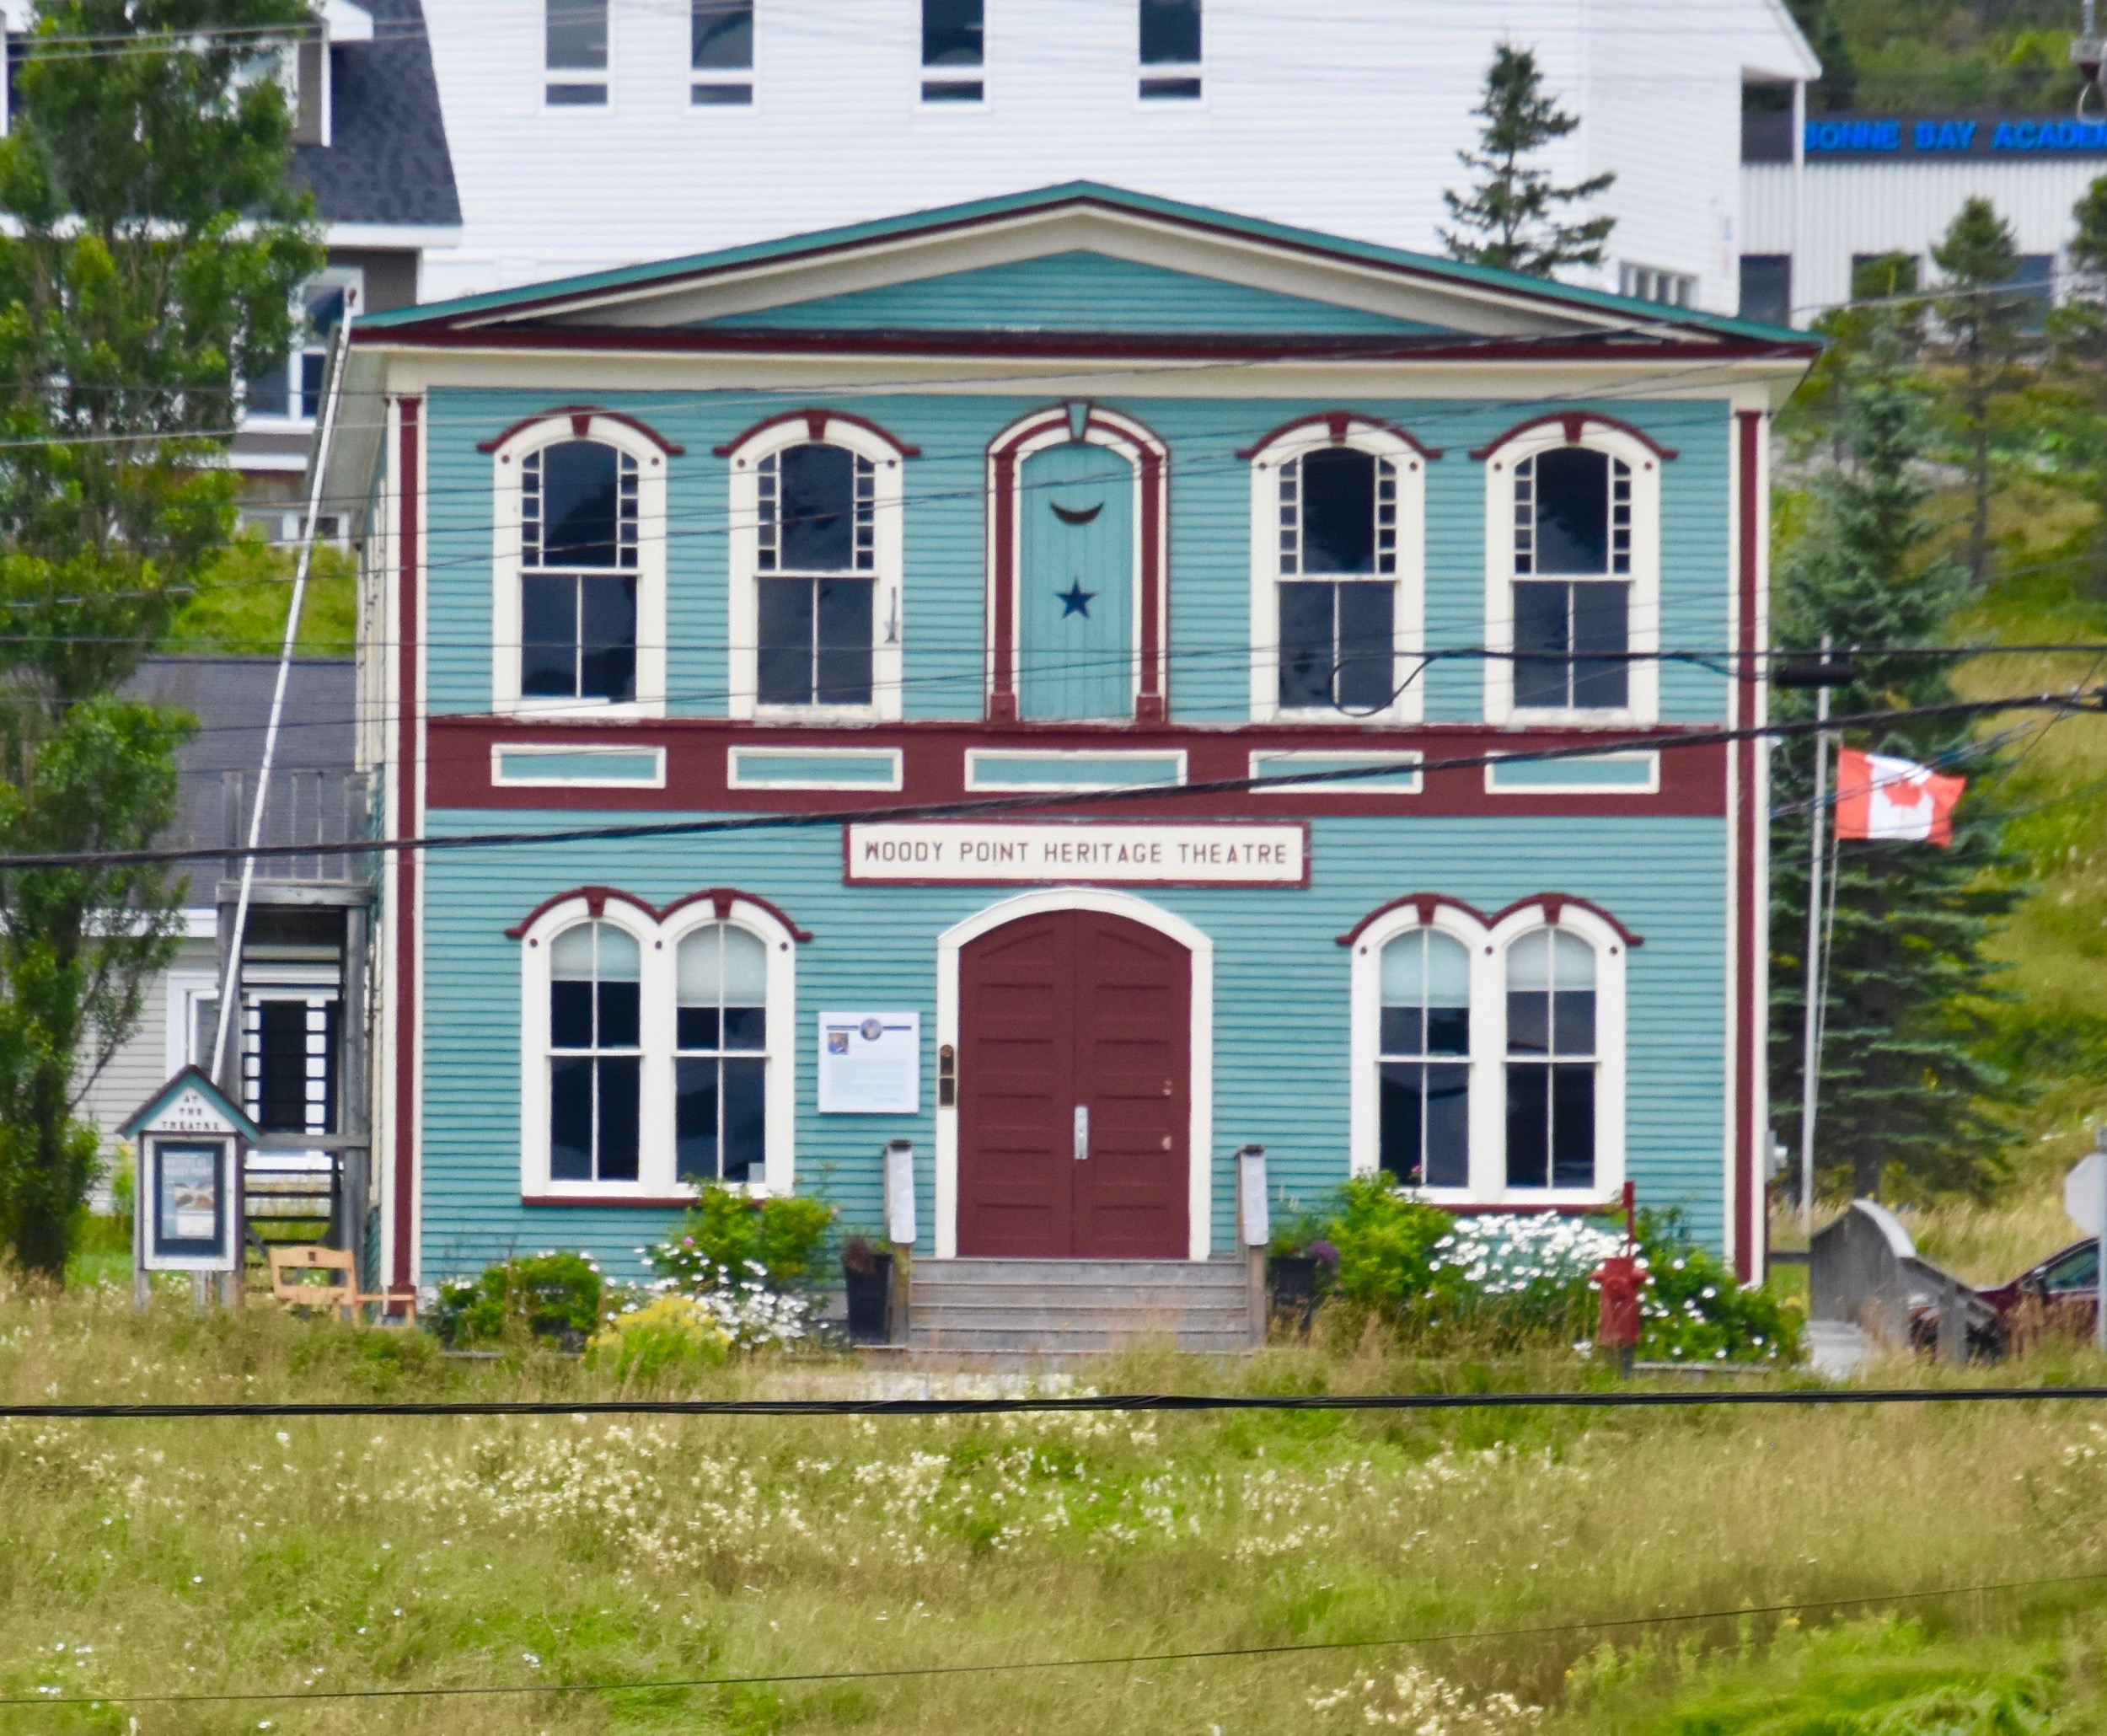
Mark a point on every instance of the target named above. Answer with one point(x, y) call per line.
point(338, 1289)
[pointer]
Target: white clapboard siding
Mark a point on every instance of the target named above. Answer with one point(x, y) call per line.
point(1342, 116)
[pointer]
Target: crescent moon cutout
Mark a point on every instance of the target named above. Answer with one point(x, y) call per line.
point(1075, 515)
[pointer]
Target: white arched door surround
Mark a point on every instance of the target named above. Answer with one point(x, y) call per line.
point(1197, 943)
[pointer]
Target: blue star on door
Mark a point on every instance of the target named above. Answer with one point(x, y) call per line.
point(1075, 624)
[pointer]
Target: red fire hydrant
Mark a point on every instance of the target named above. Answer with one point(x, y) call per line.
point(1621, 1282)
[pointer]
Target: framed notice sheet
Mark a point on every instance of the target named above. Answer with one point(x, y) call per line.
point(869, 1064)
point(189, 1192)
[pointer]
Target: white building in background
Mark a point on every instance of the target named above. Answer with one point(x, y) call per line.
point(1829, 191)
point(595, 133)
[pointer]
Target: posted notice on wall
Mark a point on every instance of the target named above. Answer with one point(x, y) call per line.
point(869, 1064)
point(965, 853)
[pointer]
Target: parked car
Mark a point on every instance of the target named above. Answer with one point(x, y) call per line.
point(2064, 1291)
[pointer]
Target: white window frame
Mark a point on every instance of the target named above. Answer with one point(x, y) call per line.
point(1609, 950)
point(1408, 618)
point(505, 570)
point(888, 624)
point(1488, 1058)
point(1643, 612)
point(351, 280)
point(658, 941)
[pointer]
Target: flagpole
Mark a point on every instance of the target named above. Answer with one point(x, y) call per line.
point(1811, 1057)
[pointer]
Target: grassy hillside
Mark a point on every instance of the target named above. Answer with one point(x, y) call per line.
point(1942, 54)
point(240, 606)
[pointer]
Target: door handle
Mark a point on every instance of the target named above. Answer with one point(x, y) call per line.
point(1082, 1131)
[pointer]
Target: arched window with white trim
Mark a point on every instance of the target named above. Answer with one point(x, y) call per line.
point(656, 1052)
point(578, 605)
point(1338, 518)
point(721, 1055)
point(1550, 1060)
point(1573, 574)
point(1425, 1059)
point(815, 608)
point(595, 1056)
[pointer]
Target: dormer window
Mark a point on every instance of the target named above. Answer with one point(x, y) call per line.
point(721, 53)
point(575, 53)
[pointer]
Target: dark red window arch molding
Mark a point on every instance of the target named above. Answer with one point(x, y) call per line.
point(1339, 424)
point(1575, 423)
point(597, 898)
point(1152, 457)
point(580, 417)
point(1552, 904)
point(815, 421)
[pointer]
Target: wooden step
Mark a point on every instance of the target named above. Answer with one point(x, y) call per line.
point(1059, 1307)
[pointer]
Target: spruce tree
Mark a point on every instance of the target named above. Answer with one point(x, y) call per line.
point(1983, 341)
point(1511, 217)
point(1905, 1097)
point(147, 264)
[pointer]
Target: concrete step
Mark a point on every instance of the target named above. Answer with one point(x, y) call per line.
point(1056, 1308)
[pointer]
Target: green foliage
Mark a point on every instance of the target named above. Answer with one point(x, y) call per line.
point(1694, 1310)
point(1512, 217)
point(241, 592)
point(1982, 345)
point(1385, 1241)
point(725, 1234)
point(148, 263)
point(1887, 56)
point(551, 1296)
point(668, 1333)
point(1906, 1092)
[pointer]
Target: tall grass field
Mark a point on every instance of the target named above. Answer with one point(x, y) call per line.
point(1678, 1571)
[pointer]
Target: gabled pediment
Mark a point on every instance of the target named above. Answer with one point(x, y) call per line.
point(1069, 260)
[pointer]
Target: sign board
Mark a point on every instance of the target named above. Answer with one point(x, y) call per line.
point(188, 1210)
point(2085, 1192)
point(869, 1064)
point(1946, 136)
point(971, 852)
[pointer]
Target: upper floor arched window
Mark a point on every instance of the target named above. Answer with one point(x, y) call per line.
point(815, 569)
point(1573, 582)
point(1338, 511)
point(578, 574)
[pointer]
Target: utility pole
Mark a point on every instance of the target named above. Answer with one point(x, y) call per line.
point(1811, 1057)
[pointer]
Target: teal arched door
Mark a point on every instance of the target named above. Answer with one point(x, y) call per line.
point(1075, 617)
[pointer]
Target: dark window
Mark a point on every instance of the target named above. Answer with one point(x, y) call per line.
point(1767, 287)
point(1169, 33)
point(721, 40)
point(951, 40)
point(1338, 514)
point(721, 1074)
point(595, 1071)
point(1425, 1100)
point(576, 42)
point(1550, 1060)
point(2077, 1271)
point(817, 556)
point(1573, 515)
point(290, 1067)
point(578, 511)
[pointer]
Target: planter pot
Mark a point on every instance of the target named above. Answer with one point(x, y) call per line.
point(871, 1303)
point(1291, 1281)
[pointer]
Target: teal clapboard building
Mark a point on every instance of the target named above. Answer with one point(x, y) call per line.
point(1080, 684)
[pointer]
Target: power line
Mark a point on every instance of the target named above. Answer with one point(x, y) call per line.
point(985, 806)
point(1198, 1655)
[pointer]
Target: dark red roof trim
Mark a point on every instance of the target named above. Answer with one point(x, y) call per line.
point(1552, 904)
point(596, 900)
point(1575, 422)
point(582, 416)
point(815, 421)
point(1340, 423)
point(1068, 345)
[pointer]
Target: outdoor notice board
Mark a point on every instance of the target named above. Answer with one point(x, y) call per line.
point(191, 1140)
point(869, 1064)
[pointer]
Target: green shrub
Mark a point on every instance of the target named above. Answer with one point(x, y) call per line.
point(1694, 1310)
point(668, 1331)
point(1385, 1240)
point(726, 1237)
point(552, 1296)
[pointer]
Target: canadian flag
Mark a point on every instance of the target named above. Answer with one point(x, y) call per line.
point(1881, 797)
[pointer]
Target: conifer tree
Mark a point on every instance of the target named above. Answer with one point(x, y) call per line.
point(147, 265)
point(1511, 218)
point(1905, 1095)
point(1982, 338)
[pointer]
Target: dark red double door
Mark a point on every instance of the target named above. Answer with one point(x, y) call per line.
point(1075, 1089)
